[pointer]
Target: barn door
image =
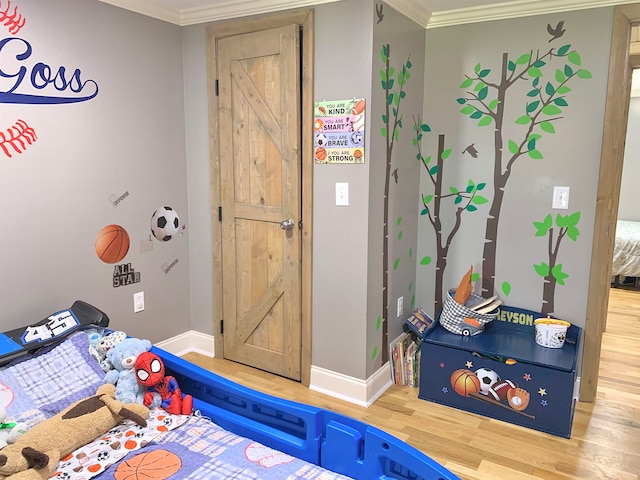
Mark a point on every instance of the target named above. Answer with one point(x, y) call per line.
point(259, 154)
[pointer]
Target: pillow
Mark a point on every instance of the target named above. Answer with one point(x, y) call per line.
point(42, 385)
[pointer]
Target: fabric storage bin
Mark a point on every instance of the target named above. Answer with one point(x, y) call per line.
point(461, 319)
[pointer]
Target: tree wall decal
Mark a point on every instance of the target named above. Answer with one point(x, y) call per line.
point(465, 199)
point(550, 270)
point(392, 123)
point(486, 102)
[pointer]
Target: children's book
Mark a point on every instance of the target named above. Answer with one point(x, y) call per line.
point(420, 323)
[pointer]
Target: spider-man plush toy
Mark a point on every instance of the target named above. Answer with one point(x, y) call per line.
point(150, 373)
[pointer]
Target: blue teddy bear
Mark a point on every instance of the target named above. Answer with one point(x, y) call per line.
point(123, 375)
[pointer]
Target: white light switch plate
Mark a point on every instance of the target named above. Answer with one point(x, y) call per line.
point(342, 194)
point(560, 198)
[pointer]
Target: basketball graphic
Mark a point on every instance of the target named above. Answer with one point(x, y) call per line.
point(112, 244)
point(465, 382)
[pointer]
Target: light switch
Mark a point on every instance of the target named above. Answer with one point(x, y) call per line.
point(560, 197)
point(342, 194)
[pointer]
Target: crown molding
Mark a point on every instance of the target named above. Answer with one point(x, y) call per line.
point(412, 9)
point(514, 9)
point(221, 10)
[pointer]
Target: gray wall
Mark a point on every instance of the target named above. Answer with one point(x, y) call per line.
point(629, 208)
point(55, 195)
point(571, 155)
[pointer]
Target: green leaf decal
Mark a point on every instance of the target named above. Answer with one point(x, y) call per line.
point(532, 106)
point(506, 288)
point(482, 94)
point(543, 227)
point(534, 72)
point(561, 102)
point(484, 73)
point(477, 68)
point(481, 186)
point(523, 120)
point(378, 322)
point(471, 208)
point(563, 90)
point(475, 276)
point(425, 261)
point(425, 128)
point(457, 200)
point(533, 93)
point(549, 89)
point(542, 269)
point(383, 132)
point(466, 83)
point(479, 200)
point(558, 274)
point(562, 51)
point(513, 146)
point(445, 154)
point(574, 57)
point(524, 58)
point(486, 120)
point(396, 264)
point(547, 127)
point(551, 110)
point(560, 77)
point(475, 115)
point(535, 154)
point(433, 170)
point(461, 100)
point(374, 353)
point(493, 104)
point(511, 66)
point(568, 71)
point(584, 74)
point(453, 190)
point(424, 211)
point(468, 110)
point(398, 220)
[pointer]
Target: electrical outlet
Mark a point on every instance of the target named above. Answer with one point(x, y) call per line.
point(138, 302)
point(400, 306)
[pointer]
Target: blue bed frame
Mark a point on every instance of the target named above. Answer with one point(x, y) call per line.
point(322, 437)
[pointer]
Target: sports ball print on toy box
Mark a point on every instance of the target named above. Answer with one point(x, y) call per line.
point(38, 83)
point(485, 385)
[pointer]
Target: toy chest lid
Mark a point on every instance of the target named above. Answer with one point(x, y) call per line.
point(512, 335)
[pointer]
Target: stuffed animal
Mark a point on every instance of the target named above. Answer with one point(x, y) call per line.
point(149, 369)
point(36, 454)
point(9, 431)
point(123, 357)
point(106, 343)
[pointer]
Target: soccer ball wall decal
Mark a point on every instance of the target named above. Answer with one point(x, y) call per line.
point(165, 223)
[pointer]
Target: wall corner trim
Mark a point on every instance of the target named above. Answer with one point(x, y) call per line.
point(190, 341)
point(353, 390)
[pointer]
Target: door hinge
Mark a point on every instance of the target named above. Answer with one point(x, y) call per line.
point(219, 214)
point(300, 225)
point(217, 88)
point(221, 326)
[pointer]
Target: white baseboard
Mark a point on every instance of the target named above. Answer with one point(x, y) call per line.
point(190, 341)
point(354, 390)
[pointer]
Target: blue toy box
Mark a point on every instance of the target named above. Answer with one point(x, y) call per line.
point(503, 373)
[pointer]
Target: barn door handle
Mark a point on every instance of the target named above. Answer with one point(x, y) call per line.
point(286, 224)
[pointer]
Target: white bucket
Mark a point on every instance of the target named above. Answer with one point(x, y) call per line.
point(550, 332)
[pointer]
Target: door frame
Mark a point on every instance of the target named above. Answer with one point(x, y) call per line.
point(608, 195)
point(225, 28)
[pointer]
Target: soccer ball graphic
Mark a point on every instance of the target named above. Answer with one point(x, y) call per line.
point(165, 223)
point(487, 378)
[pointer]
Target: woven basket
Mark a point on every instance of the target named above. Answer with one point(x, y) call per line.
point(461, 319)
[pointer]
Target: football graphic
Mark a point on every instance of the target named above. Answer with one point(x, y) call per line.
point(165, 223)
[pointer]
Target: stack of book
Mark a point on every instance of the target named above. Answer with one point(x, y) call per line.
point(405, 360)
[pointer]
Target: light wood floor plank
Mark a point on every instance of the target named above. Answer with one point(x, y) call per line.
point(605, 440)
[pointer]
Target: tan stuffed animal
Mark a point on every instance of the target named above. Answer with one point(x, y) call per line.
point(35, 455)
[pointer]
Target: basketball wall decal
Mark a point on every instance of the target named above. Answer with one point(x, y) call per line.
point(465, 382)
point(112, 244)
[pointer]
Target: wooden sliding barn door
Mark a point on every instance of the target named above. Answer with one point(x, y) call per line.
point(260, 191)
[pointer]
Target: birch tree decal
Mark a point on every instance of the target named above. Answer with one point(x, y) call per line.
point(466, 199)
point(393, 84)
point(551, 270)
point(485, 102)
